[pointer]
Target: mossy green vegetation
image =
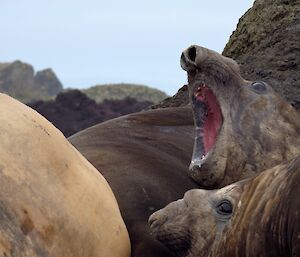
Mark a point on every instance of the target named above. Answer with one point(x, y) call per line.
point(99, 93)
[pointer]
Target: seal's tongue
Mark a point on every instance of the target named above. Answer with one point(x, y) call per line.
point(213, 120)
point(208, 118)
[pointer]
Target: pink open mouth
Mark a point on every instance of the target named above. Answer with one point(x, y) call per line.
point(214, 120)
point(208, 119)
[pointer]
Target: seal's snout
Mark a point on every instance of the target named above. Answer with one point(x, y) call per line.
point(188, 59)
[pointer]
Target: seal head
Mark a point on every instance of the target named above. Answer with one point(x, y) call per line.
point(242, 127)
point(190, 226)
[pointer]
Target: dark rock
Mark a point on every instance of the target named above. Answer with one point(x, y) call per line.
point(266, 46)
point(18, 80)
point(73, 111)
point(47, 82)
point(180, 99)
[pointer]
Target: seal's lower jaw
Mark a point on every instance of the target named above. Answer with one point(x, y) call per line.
point(208, 122)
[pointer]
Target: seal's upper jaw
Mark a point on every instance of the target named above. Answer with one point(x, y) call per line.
point(193, 57)
point(213, 79)
point(197, 58)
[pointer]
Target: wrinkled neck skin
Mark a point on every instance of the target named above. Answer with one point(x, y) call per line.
point(272, 201)
point(259, 129)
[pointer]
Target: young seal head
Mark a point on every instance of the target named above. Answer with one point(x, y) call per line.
point(242, 127)
point(258, 216)
point(190, 226)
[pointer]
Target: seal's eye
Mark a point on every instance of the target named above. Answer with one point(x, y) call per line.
point(224, 208)
point(259, 87)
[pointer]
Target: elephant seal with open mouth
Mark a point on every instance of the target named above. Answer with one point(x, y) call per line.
point(254, 217)
point(242, 127)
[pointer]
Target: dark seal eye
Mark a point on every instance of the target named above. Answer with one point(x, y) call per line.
point(259, 87)
point(224, 208)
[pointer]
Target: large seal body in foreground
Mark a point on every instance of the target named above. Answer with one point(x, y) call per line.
point(255, 217)
point(53, 202)
point(144, 157)
point(242, 127)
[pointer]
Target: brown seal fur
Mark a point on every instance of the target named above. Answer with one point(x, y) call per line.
point(264, 219)
point(144, 157)
point(258, 131)
point(53, 202)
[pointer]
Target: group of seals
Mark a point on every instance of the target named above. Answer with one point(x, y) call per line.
point(242, 129)
point(144, 157)
point(53, 202)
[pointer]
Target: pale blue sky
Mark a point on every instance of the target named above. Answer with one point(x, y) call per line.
point(95, 42)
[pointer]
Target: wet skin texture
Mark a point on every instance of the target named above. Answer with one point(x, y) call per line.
point(144, 157)
point(255, 217)
point(243, 127)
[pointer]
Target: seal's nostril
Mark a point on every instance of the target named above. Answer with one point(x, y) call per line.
point(182, 58)
point(192, 53)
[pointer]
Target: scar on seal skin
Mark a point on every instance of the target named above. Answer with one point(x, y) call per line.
point(254, 217)
point(242, 127)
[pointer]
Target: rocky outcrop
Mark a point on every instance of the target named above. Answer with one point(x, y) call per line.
point(180, 99)
point(47, 82)
point(18, 80)
point(73, 111)
point(266, 46)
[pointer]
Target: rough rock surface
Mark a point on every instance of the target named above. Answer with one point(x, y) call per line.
point(266, 45)
point(73, 111)
point(18, 80)
point(180, 99)
point(47, 82)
